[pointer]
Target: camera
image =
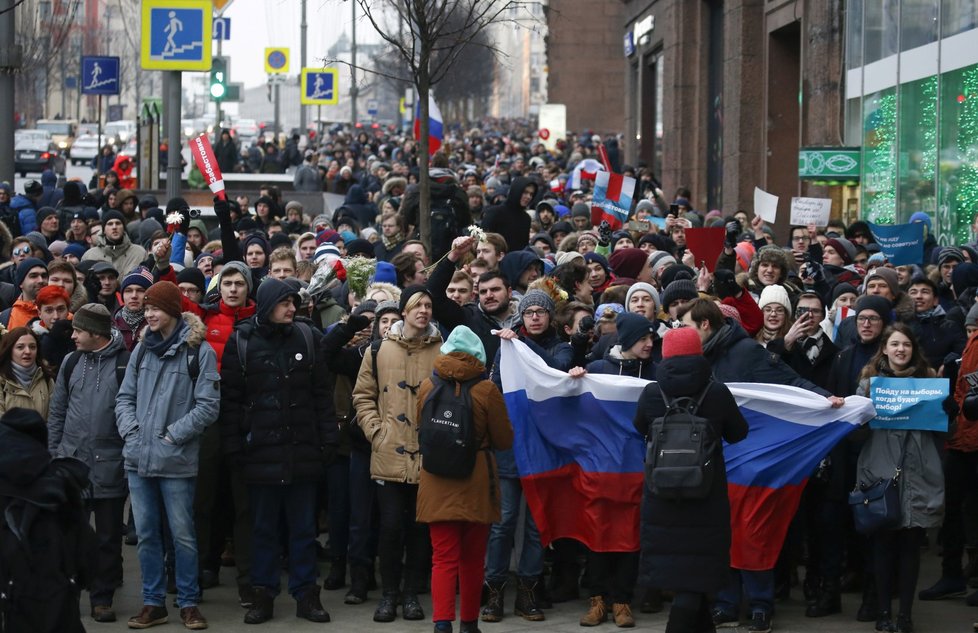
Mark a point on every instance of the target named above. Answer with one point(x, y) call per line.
point(194, 214)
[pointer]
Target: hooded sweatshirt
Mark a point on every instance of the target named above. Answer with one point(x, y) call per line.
point(510, 219)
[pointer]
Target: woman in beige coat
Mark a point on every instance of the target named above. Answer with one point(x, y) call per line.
point(387, 413)
point(23, 381)
point(459, 511)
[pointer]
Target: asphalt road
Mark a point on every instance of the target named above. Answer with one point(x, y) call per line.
point(221, 608)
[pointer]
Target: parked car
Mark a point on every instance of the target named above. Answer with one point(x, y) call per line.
point(63, 131)
point(23, 135)
point(86, 148)
point(36, 155)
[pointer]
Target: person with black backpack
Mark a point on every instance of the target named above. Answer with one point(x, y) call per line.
point(450, 212)
point(81, 424)
point(685, 533)
point(462, 418)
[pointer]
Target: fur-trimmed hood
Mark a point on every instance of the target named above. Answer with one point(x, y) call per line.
point(771, 253)
point(196, 330)
point(6, 241)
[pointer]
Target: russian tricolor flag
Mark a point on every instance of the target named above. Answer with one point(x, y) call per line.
point(436, 131)
point(587, 169)
point(581, 460)
point(612, 199)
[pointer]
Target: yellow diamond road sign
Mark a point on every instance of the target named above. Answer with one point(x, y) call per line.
point(320, 86)
point(176, 34)
point(276, 60)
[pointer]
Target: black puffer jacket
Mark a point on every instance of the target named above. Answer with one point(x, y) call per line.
point(614, 364)
point(686, 544)
point(277, 411)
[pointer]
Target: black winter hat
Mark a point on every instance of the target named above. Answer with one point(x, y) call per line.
point(360, 247)
point(173, 204)
point(112, 214)
point(25, 267)
point(192, 276)
point(631, 328)
point(270, 292)
point(679, 289)
point(409, 292)
point(877, 304)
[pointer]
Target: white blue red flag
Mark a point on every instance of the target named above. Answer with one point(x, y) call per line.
point(612, 199)
point(436, 131)
point(581, 461)
point(587, 169)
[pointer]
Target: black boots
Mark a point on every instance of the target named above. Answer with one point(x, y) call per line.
point(493, 611)
point(526, 601)
point(359, 582)
point(261, 609)
point(870, 605)
point(386, 608)
point(336, 579)
point(827, 602)
point(564, 582)
point(309, 607)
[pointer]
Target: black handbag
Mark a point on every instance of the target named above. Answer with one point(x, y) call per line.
point(877, 506)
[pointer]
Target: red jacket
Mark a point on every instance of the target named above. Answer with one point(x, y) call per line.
point(965, 437)
point(220, 322)
point(751, 316)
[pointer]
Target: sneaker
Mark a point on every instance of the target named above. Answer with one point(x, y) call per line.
point(193, 619)
point(760, 623)
point(103, 613)
point(722, 620)
point(148, 616)
point(944, 588)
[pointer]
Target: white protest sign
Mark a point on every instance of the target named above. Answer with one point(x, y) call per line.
point(765, 205)
point(805, 211)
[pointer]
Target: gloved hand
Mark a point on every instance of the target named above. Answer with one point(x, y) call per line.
point(950, 406)
point(185, 220)
point(221, 209)
point(357, 322)
point(725, 284)
point(580, 339)
point(733, 232)
point(604, 233)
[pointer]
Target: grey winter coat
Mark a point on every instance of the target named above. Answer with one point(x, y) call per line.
point(81, 421)
point(921, 480)
point(159, 399)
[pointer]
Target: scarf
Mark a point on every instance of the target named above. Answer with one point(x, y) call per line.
point(132, 318)
point(24, 375)
point(766, 336)
point(155, 343)
point(391, 243)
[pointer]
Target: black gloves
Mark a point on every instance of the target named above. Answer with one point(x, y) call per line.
point(951, 408)
point(604, 233)
point(184, 220)
point(725, 284)
point(733, 232)
point(221, 209)
point(357, 322)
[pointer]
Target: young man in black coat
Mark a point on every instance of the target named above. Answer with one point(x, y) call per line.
point(510, 219)
point(277, 420)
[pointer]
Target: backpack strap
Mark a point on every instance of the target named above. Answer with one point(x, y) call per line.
point(121, 362)
point(374, 354)
point(193, 363)
point(306, 332)
point(68, 366)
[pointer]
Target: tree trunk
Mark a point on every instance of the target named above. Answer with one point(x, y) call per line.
point(424, 182)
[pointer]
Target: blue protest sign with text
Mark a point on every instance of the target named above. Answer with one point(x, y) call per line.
point(902, 244)
point(99, 75)
point(909, 403)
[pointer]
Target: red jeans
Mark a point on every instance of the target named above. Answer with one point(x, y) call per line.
point(458, 554)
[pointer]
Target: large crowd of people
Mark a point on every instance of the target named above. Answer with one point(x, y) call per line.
point(255, 386)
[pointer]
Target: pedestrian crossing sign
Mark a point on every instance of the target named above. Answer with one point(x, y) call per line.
point(176, 34)
point(99, 75)
point(319, 86)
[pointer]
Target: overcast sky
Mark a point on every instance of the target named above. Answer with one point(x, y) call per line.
point(256, 24)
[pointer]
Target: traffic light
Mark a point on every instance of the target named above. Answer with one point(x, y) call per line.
point(219, 78)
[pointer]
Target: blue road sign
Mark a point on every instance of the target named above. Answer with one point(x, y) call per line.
point(100, 75)
point(176, 34)
point(319, 87)
point(222, 28)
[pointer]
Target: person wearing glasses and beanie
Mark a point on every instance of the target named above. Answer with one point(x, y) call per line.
point(536, 329)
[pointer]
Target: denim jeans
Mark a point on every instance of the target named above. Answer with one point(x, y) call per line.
point(502, 535)
point(150, 496)
point(296, 504)
point(759, 587)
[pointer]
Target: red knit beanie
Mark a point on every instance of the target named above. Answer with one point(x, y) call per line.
point(681, 342)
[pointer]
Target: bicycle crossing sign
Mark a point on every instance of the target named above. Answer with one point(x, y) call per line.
point(99, 75)
point(319, 86)
point(176, 34)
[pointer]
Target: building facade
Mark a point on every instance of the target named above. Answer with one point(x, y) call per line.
point(720, 96)
point(911, 100)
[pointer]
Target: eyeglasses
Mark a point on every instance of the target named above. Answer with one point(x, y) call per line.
point(773, 310)
point(861, 262)
point(22, 250)
point(535, 313)
point(801, 238)
point(800, 310)
point(868, 319)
